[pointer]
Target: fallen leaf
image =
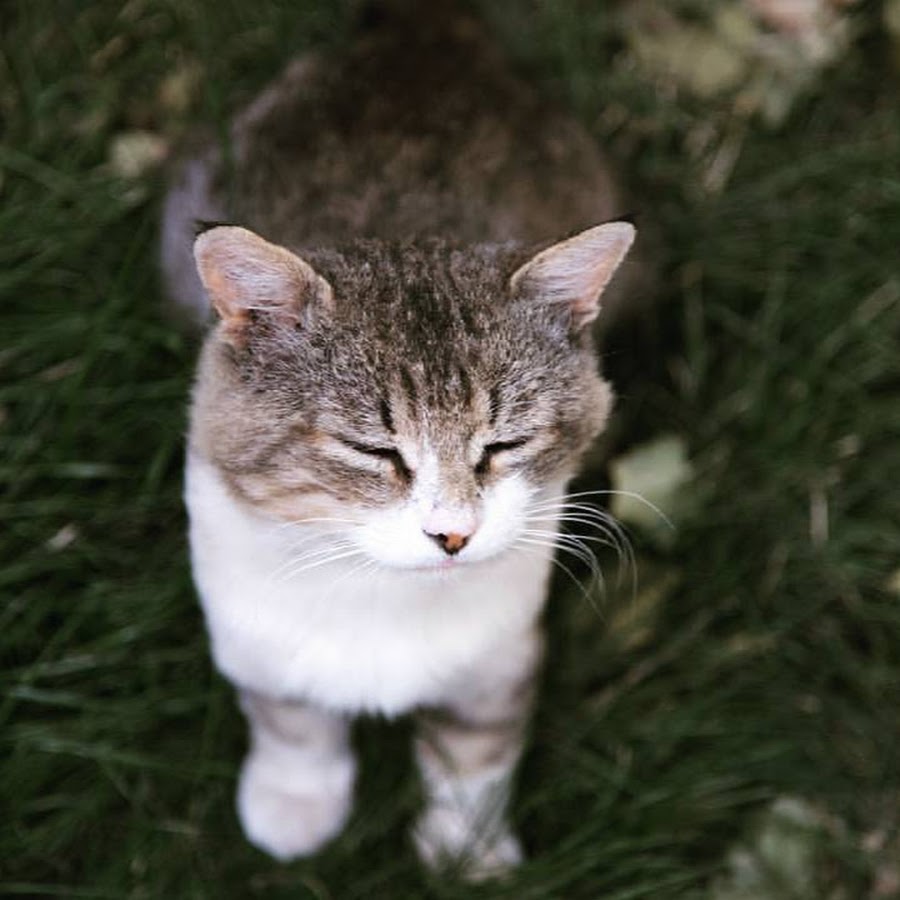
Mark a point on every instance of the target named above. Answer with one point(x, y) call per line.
point(66, 535)
point(892, 585)
point(178, 89)
point(133, 154)
point(762, 54)
point(782, 857)
point(649, 482)
point(692, 57)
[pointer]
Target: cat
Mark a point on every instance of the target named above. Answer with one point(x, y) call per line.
point(400, 383)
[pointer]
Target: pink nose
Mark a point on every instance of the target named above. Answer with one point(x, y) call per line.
point(450, 543)
point(451, 528)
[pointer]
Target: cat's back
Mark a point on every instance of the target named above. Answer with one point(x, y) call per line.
point(421, 129)
point(418, 128)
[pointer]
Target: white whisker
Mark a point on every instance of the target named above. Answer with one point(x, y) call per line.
point(574, 544)
point(302, 555)
point(570, 509)
point(315, 560)
point(317, 520)
point(565, 498)
point(595, 524)
point(560, 565)
point(610, 529)
point(321, 562)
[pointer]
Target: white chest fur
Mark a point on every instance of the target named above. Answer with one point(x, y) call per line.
point(375, 639)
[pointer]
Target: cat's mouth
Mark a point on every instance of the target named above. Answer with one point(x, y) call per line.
point(451, 564)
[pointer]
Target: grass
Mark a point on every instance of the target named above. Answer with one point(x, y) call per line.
point(769, 667)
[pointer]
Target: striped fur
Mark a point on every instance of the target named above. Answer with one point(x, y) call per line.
point(399, 385)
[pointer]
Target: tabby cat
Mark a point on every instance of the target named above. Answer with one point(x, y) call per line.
point(400, 382)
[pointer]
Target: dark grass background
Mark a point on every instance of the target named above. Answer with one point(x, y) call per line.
point(770, 666)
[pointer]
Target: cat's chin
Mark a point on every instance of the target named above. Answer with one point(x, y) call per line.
point(452, 565)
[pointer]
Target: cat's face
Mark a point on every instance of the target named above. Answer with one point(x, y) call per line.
point(416, 403)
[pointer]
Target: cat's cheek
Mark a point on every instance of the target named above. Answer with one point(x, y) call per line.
point(504, 516)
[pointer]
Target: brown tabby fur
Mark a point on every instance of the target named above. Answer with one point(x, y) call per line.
point(414, 175)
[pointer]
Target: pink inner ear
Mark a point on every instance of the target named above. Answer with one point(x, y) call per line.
point(222, 292)
point(242, 272)
point(577, 271)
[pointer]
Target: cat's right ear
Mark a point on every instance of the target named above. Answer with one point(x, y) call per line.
point(245, 275)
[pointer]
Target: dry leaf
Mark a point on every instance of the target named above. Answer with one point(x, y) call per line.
point(66, 535)
point(650, 480)
point(893, 583)
point(178, 89)
point(133, 154)
point(764, 54)
point(782, 858)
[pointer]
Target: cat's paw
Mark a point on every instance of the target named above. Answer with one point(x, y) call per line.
point(443, 842)
point(290, 820)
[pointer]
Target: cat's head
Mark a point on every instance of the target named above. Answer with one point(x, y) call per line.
point(418, 400)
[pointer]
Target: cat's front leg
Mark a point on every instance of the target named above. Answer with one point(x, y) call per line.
point(467, 751)
point(296, 784)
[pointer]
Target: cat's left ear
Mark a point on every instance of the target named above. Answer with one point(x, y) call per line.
point(575, 272)
point(244, 274)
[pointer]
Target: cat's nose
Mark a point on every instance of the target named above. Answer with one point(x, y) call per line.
point(450, 527)
point(452, 542)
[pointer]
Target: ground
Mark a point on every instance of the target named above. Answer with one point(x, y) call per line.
point(754, 673)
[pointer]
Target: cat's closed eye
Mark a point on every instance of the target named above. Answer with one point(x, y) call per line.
point(390, 454)
point(490, 451)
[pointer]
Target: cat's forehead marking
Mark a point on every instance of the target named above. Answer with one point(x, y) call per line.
point(387, 417)
point(460, 382)
point(408, 383)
